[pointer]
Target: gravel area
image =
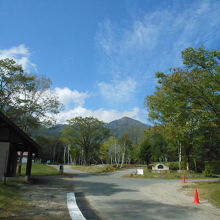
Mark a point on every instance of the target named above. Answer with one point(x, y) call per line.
point(173, 193)
point(46, 196)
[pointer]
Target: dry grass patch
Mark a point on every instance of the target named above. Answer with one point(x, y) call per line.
point(209, 191)
point(11, 200)
point(95, 168)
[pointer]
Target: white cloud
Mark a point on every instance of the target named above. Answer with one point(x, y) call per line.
point(101, 114)
point(118, 91)
point(70, 97)
point(21, 55)
point(74, 102)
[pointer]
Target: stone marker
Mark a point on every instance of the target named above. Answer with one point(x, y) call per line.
point(160, 168)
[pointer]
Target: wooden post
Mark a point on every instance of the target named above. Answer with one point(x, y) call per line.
point(20, 163)
point(29, 162)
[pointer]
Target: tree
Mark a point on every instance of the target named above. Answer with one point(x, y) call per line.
point(86, 135)
point(188, 99)
point(125, 149)
point(109, 151)
point(117, 151)
point(145, 152)
point(51, 148)
point(25, 98)
point(154, 146)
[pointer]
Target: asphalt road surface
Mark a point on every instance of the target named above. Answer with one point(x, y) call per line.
point(113, 197)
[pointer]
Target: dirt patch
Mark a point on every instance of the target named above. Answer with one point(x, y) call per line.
point(173, 193)
point(46, 196)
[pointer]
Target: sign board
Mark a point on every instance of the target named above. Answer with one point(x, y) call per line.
point(140, 171)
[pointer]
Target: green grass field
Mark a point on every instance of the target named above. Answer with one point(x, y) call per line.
point(171, 175)
point(208, 191)
point(40, 169)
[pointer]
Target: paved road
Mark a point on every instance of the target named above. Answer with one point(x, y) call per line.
point(117, 198)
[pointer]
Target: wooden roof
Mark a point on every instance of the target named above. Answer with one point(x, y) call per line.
point(10, 132)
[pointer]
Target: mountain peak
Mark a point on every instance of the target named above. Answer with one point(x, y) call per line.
point(126, 118)
point(127, 125)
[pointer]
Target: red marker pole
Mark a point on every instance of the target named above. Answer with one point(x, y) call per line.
point(184, 179)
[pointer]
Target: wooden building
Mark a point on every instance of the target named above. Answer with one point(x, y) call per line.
point(12, 141)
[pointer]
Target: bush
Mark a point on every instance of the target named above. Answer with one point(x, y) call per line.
point(209, 170)
point(173, 165)
point(108, 168)
point(214, 166)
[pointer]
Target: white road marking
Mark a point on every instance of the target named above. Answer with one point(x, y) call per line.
point(74, 210)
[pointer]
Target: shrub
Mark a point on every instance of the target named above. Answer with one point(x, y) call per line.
point(209, 170)
point(108, 168)
point(214, 166)
point(173, 165)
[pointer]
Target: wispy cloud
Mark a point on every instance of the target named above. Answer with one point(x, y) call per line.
point(21, 54)
point(152, 42)
point(118, 90)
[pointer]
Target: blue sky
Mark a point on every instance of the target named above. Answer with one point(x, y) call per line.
point(102, 55)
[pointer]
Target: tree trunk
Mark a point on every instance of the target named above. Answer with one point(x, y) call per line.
point(123, 157)
point(179, 155)
point(187, 165)
point(195, 165)
point(188, 151)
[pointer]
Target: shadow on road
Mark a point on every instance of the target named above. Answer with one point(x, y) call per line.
point(98, 188)
point(150, 210)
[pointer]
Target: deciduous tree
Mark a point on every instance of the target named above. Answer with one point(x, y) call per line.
point(26, 99)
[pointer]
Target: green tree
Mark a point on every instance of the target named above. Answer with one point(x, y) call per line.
point(51, 148)
point(188, 99)
point(109, 150)
point(145, 152)
point(25, 98)
point(154, 146)
point(125, 149)
point(86, 135)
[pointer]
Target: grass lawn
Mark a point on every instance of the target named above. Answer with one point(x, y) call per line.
point(171, 175)
point(208, 191)
point(102, 168)
point(40, 169)
point(11, 202)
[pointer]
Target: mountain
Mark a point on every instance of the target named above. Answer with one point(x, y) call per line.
point(134, 128)
point(48, 132)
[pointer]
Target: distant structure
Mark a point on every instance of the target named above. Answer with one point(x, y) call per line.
point(160, 168)
point(12, 141)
